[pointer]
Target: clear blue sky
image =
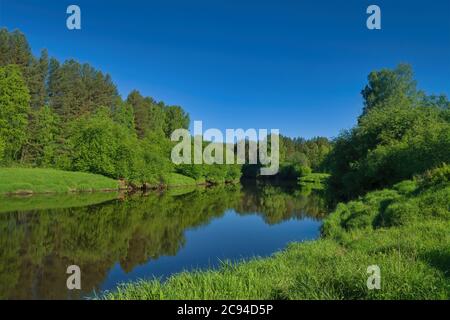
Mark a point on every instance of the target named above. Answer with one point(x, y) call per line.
point(297, 66)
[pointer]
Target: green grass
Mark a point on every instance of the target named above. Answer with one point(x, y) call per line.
point(25, 180)
point(322, 269)
point(179, 180)
point(404, 230)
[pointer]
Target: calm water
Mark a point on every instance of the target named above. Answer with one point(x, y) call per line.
point(116, 238)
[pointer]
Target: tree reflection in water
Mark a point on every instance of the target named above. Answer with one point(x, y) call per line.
point(37, 245)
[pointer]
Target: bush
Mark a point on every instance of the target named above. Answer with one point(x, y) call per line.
point(360, 216)
point(440, 175)
point(303, 170)
point(399, 214)
point(153, 165)
point(406, 187)
point(435, 202)
point(234, 173)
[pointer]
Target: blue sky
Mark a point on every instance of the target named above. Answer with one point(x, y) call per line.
point(297, 66)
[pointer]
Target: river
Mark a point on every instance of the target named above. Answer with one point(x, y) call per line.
point(116, 238)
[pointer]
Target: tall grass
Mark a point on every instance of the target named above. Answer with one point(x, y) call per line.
point(26, 180)
point(320, 269)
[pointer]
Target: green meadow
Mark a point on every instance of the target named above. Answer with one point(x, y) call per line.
point(30, 181)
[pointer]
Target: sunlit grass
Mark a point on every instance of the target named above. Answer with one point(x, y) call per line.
point(179, 180)
point(26, 180)
point(320, 269)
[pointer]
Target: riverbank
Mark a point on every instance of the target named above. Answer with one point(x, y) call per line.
point(402, 230)
point(29, 181)
point(26, 181)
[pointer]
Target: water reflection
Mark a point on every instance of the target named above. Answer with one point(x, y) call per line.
point(110, 235)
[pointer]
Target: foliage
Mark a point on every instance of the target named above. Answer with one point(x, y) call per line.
point(14, 49)
point(44, 132)
point(423, 199)
point(99, 145)
point(317, 181)
point(306, 153)
point(393, 141)
point(154, 165)
point(14, 110)
point(152, 116)
point(75, 89)
point(394, 87)
point(175, 118)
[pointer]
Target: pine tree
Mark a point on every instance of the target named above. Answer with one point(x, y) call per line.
point(76, 90)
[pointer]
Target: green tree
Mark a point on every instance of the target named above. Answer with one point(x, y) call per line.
point(36, 79)
point(124, 115)
point(44, 132)
point(176, 118)
point(393, 141)
point(77, 89)
point(99, 145)
point(14, 111)
point(141, 112)
point(149, 115)
point(390, 87)
point(154, 161)
point(14, 49)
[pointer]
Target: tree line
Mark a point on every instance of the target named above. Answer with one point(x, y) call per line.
point(70, 116)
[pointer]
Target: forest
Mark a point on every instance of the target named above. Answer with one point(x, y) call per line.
point(70, 116)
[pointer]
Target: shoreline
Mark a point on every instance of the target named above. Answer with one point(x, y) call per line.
point(87, 185)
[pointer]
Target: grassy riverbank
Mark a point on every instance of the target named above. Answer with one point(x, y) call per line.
point(31, 181)
point(25, 181)
point(179, 180)
point(403, 230)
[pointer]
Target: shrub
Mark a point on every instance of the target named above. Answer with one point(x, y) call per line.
point(406, 187)
point(360, 216)
point(398, 214)
point(436, 176)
